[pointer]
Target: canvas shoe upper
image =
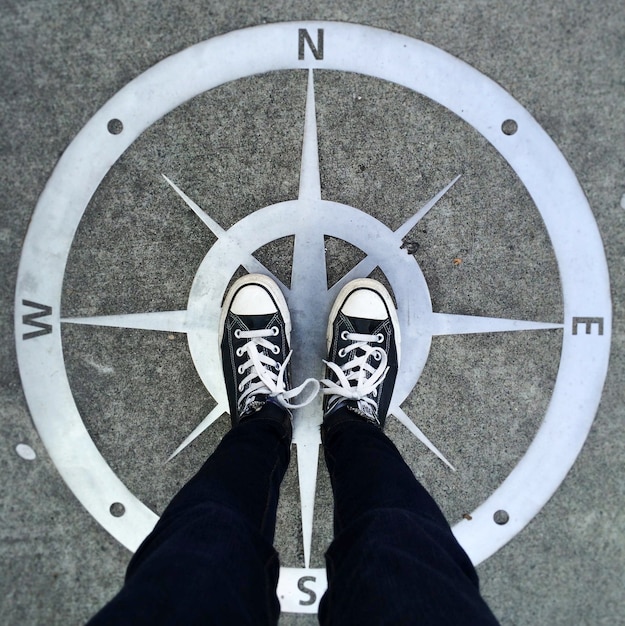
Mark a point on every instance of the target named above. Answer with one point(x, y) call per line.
point(255, 330)
point(363, 351)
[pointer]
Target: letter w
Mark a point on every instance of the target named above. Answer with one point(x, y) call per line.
point(31, 319)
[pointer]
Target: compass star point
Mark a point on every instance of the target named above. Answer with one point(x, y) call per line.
point(310, 181)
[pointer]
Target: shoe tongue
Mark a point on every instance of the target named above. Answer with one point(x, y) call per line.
point(253, 404)
point(364, 326)
point(363, 409)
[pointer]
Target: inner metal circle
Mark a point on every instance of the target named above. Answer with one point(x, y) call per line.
point(332, 219)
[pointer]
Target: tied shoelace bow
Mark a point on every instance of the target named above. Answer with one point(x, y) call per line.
point(358, 379)
point(266, 376)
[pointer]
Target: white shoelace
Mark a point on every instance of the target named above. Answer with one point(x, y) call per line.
point(266, 376)
point(358, 379)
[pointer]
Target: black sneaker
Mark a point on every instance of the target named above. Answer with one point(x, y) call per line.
point(363, 352)
point(254, 335)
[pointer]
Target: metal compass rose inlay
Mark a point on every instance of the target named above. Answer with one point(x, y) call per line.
point(308, 218)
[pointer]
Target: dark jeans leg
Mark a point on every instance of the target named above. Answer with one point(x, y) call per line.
point(394, 559)
point(210, 558)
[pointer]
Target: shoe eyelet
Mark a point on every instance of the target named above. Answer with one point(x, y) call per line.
point(239, 351)
point(275, 330)
point(377, 355)
point(344, 335)
point(240, 388)
point(276, 349)
point(240, 370)
point(341, 353)
point(237, 333)
point(380, 338)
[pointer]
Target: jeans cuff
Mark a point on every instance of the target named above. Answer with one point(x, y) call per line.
point(272, 413)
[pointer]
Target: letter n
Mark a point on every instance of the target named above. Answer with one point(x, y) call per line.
point(305, 38)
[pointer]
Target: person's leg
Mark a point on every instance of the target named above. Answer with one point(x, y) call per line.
point(210, 558)
point(394, 559)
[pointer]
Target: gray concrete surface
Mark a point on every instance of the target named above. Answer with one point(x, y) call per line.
point(480, 398)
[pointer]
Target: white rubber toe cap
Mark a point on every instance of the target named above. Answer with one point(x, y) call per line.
point(252, 300)
point(365, 303)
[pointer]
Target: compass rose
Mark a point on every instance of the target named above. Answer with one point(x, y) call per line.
point(309, 219)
